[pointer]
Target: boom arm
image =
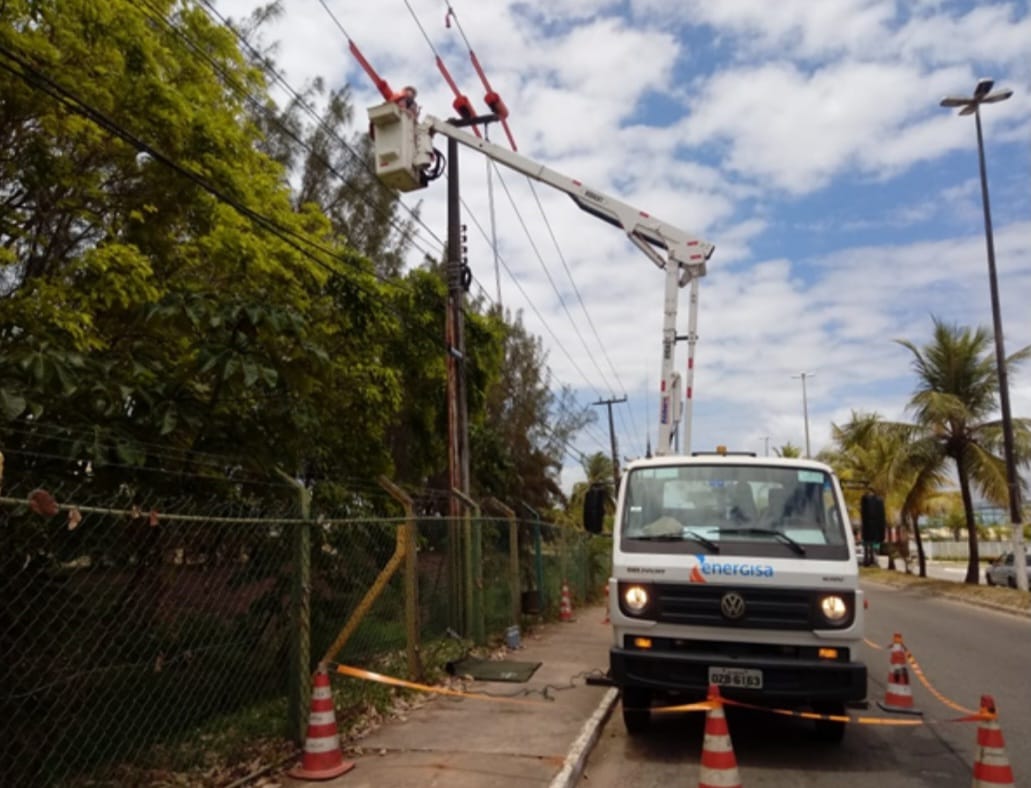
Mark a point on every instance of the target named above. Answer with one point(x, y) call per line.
point(404, 155)
point(644, 230)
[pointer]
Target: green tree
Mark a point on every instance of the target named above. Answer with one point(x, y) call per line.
point(160, 292)
point(892, 460)
point(957, 386)
point(527, 425)
point(787, 450)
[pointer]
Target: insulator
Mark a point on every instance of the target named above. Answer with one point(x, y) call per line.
point(497, 106)
point(463, 107)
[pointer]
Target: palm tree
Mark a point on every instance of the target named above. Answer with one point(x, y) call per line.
point(922, 473)
point(788, 450)
point(887, 459)
point(957, 386)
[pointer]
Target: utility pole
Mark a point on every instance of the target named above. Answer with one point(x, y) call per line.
point(454, 335)
point(612, 438)
point(766, 445)
point(457, 408)
point(805, 409)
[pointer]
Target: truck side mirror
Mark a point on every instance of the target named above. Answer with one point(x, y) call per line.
point(871, 512)
point(594, 508)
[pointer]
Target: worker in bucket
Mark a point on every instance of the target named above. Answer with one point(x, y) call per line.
point(405, 98)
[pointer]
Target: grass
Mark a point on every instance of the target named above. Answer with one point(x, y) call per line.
point(990, 596)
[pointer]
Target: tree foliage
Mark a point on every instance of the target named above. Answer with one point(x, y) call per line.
point(195, 279)
point(955, 397)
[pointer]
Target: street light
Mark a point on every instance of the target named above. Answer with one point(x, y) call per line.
point(971, 105)
point(805, 408)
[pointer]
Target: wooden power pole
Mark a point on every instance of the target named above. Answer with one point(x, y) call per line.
point(612, 439)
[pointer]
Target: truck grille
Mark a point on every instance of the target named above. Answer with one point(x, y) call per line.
point(765, 608)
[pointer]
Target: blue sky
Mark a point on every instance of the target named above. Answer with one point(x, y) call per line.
point(804, 139)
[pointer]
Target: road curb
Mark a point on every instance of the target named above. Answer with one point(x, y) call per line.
point(1013, 611)
point(573, 767)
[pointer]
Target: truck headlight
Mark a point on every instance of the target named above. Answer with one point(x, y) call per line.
point(834, 608)
point(635, 599)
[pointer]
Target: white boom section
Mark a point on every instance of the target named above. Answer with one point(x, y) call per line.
point(404, 153)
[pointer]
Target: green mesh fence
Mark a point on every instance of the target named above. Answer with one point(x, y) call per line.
point(139, 633)
point(122, 627)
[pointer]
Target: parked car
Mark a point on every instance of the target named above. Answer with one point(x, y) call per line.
point(1001, 571)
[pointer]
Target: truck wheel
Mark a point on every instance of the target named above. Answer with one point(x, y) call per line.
point(830, 731)
point(636, 705)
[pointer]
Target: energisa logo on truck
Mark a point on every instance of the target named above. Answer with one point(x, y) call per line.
point(727, 569)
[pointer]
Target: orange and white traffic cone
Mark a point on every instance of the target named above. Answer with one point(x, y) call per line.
point(565, 609)
point(606, 620)
point(322, 758)
point(719, 765)
point(898, 696)
point(991, 766)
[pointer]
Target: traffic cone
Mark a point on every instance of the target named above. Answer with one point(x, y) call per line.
point(898, 696)
point(322, 758)
point(606, 620)
point(991, 766)
point(719, 766)
point(565, 610)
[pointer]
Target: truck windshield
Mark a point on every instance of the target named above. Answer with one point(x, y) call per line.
point(724, 508)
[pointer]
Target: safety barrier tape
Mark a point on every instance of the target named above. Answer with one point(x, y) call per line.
point(707, 705)
point(907, 722)
point(923, 680)
point(368, 675)
point(811, 715)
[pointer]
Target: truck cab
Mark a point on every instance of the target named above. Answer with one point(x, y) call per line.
point(738, 571)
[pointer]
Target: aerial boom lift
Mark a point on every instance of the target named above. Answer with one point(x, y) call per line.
point(406, 160)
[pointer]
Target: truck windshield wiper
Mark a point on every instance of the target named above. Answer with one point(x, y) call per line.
point(780, 535)
point(713, 546)
point(680, 537)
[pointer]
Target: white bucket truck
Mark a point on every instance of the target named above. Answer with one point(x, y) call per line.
point(738, 571)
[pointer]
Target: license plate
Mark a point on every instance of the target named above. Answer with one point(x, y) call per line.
point(745, 678)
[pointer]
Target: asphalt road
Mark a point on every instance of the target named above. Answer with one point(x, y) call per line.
point(962, 650)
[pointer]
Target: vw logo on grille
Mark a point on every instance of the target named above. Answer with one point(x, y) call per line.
point(732, 606)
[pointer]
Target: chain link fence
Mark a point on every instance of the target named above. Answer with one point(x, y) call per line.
point(147, 635)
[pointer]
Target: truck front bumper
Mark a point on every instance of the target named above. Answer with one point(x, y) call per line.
point(785, 679)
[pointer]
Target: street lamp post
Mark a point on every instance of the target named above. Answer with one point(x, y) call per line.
point(971, 105)
point(805, 409)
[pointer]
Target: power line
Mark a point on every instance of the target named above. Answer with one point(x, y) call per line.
point(312, 113)
point(297, 241)
point(267, 112)
point(551, 280)
point(530, 303)
point(576, 290)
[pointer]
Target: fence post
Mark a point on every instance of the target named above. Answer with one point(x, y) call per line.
point(411, 531)
point(300, 620)
point(513, 556)
point(473, 537)
point(538, 556)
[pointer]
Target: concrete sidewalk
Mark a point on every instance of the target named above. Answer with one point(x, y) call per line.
point(465, 743)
